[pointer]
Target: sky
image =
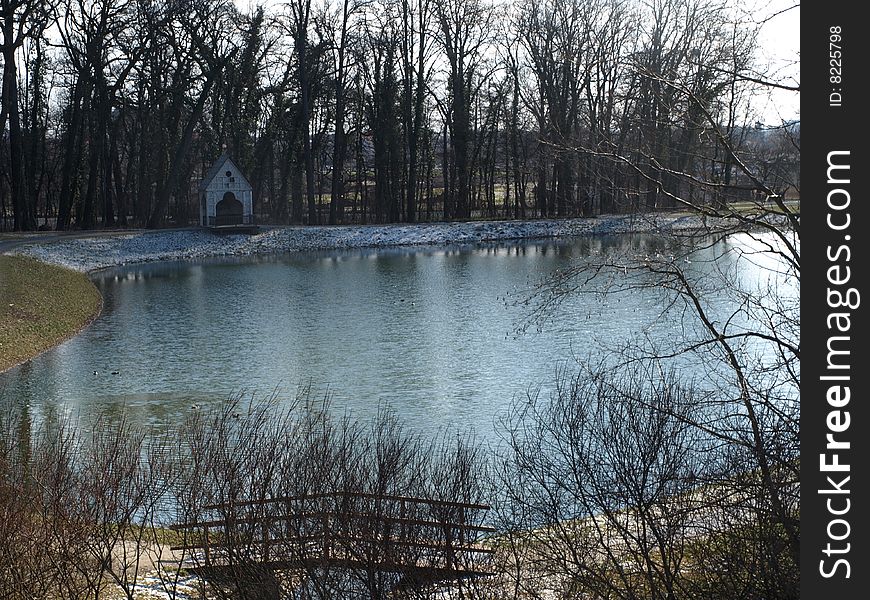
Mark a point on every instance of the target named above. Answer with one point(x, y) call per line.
point(779, 46)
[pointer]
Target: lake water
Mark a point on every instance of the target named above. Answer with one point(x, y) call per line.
point(431, 332)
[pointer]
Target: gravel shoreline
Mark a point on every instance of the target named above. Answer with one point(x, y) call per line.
point(87, 254)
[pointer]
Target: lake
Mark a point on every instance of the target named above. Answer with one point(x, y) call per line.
point(434, 333)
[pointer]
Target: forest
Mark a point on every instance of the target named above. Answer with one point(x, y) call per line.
point(378, 111)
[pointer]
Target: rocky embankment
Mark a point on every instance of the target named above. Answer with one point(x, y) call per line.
point(92, 253)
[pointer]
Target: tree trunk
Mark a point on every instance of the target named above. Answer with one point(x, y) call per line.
point(22, 215)
point(171, 184)
point(461, 125)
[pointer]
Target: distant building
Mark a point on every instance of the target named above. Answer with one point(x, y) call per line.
point(226, 196)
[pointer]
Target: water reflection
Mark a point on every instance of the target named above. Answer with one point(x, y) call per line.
point(426, 330)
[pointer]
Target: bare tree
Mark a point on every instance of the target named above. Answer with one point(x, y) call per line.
point(20, 20)
point(465, 30)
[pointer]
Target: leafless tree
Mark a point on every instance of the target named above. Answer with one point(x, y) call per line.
point(599, 482)
point(298, 500)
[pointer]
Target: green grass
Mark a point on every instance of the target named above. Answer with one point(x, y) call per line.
point(40, 306)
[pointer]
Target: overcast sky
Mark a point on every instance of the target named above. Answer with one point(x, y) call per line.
point(780, 40)
point(778, 54)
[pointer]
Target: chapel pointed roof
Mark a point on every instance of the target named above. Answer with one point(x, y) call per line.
point(216, 168)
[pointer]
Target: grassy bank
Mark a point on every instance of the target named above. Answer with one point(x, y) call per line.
point(40, 306)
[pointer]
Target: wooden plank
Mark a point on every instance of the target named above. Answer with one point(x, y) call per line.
point(273, 540)
point(431, 544)
point(387, 497)
point(322, 514)
point(435, 573)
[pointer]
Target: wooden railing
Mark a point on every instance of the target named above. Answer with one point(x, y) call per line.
point(422, 538)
